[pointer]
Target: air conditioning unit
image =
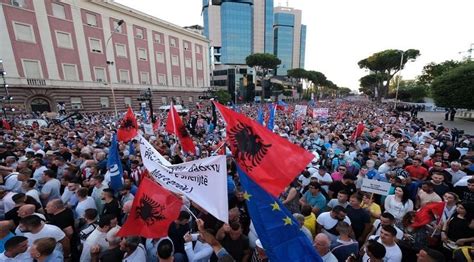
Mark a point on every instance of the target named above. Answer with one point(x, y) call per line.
point(17, 3)
point(91, 25)
point(157, 41)
point(99, 80)
point(76, 106)
point(96, 51)
point(103, 106)
point(139, 36)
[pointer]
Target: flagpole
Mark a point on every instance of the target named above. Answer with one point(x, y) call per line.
point(189, 210)
point(217, 149)
point(172, 118)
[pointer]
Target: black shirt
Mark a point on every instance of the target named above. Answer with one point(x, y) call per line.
point(112, 208)
point(111, 255)
point(13, 215)
point(337, 186)
point(176, 232)
point(465, 194)
point(359, 218)
point(237, 247)
point(63, 219)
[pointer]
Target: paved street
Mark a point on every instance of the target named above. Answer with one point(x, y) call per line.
point(438, 117)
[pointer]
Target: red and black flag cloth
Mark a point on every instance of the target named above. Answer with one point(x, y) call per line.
point(6, 125)
point(174, 125)
point(154, 208)
point(128, 127)
point(358, 132)
point(430, 212)
point(270, 160)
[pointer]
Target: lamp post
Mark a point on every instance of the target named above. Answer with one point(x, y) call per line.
point(111, 63)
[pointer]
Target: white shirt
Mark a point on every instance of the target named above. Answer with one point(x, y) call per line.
point(8, 202)
point(82, 206)
point(34, 194)
point(379, 229)
point(463, 181)
point(456, 175)
point(325, 178)
point(24, 257)
point(95, 238)
point(397, 209)
point(327, 222)
point(38, 172)
point(52, 188)
point(138, 255)
point(12, 183)
point(392, 253)
point(200, 253)
point(329, 257)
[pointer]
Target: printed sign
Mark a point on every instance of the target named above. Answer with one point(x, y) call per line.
point(376, 187)
point(320, 112)
point(148, 129)
point(300, 110)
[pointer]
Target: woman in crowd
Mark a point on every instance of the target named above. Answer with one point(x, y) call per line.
point(399, 204)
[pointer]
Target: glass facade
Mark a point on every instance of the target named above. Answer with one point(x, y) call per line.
point(269, 26)
point(302, 45)
point(237, 31)
point(283, 41)
point(205, 16)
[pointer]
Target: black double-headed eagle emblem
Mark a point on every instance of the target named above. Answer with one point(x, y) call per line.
point(249, 148)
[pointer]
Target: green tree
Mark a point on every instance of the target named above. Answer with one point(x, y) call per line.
point(433, 70)
point(455, 87)
point(387, 62)
point(409, 91)
point(369, 83)
point(344, 91)
point(262, 62)
point(223, 96)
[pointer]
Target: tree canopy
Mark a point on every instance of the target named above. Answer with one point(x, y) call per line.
point(433, 70)
point(262, 60)
point(223, 96)
point(455, 88)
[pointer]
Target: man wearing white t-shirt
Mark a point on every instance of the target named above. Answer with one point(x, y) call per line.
point(385, 219)
point(327, 221)
point(97, 239)
point(323, 177)
point(393, 253)
point(33, 227)
point(134, 250)
point(85, 202)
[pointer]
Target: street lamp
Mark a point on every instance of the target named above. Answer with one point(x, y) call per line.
point(398, 82)
point(111, 63)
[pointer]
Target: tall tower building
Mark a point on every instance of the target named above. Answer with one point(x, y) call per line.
point(263, 26)
point(289, 38)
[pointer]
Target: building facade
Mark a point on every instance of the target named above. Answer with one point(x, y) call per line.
point(289, 38)
point(94, 55)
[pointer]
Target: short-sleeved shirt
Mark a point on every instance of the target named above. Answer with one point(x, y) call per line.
point(237, 247)
point(328, 223)
point(63, 219)
point(52, 188)
point(418, 172)
point(47, 231)
point(359, 218)
point(318, 200)
point(337, 186)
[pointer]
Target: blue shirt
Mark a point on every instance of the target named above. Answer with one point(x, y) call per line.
point(318, 200)
point(5, 239)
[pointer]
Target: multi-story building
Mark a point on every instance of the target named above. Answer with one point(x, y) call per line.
point(289, 38)
point(89, 54)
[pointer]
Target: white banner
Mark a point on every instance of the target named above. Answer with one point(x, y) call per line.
point(376, 187)
point(320, 112)
point(203, 181)
point(300, 110)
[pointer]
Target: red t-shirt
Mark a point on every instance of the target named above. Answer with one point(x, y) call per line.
point(418, 172)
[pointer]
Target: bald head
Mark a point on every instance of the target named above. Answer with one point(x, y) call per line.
point(322, 238)
point(26, 210)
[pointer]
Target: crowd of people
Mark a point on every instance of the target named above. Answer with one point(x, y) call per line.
point(56, 204)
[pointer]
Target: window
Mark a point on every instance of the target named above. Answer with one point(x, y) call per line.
point(200, 82)
point(127, 101)
point(70, 72)
point(58, 11)
point(176, 81)
point(172, 42)
point(121, 50)
point(64, 40)
point(117, 28)
point(158, 38)
point(144, 78)
point(95, 45)
point(160, 58)
point(24, 32)
point(99, 74)
point(163, 100)
point(91, 19)
point(198, 49)
point(199, 65)
point(189, 81)
point(124, 76)
point(187, 62)
point(32, 69)
point(139, 33)
point(18, 3)
point(174, 60)
point(76, 102)
point(186, 46)
point(161, 79)
point(104, 102)
point(142, 54)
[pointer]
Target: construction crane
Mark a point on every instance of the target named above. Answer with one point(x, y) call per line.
point(467, 55)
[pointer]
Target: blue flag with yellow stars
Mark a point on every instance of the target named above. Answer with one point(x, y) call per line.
point(278, 231)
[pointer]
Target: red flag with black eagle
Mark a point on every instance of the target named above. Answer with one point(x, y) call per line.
point(128, 127)
point(174, 125)
point(270, 160)
point(154, 208)
point(430, 212)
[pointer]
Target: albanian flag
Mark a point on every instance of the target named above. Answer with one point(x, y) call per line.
point(298, 124)
point(6, 125)
point(128, 127)
point(358, 132)
point(156, 124)
point(270, 160)
point(174, 125)
point(153, 210)
point(430, 212)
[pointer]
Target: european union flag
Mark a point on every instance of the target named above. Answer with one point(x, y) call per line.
point(260, 115)
point(271, 119)
point(115, 166)
point(278, 231)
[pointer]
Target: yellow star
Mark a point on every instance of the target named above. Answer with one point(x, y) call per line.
point(247, 196)
point(275, 206)
point(287, 221)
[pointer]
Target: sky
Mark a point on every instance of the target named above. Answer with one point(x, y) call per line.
point(342, 32)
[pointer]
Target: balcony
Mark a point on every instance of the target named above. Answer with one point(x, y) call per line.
point(36, 82)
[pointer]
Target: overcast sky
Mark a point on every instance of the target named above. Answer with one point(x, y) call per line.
point(342, 32)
